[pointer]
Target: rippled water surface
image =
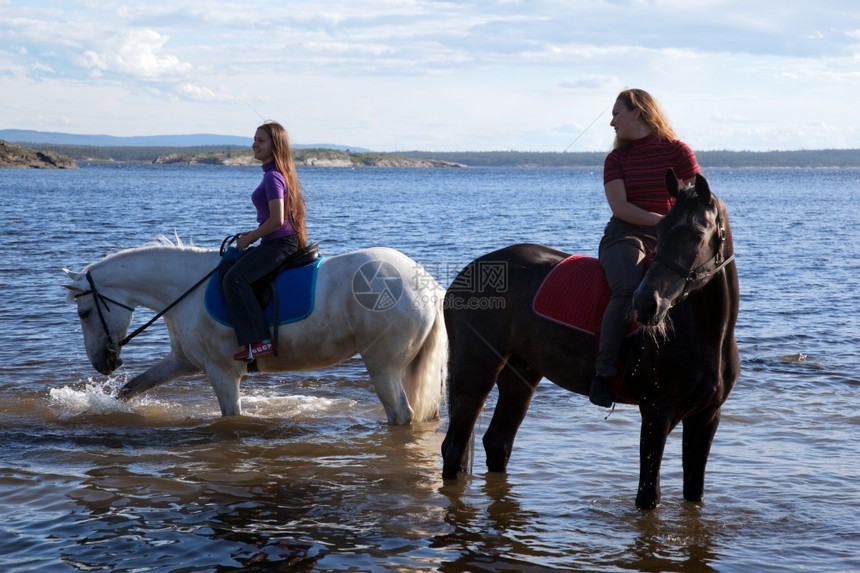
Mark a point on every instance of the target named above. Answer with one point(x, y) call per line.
point(311, 478)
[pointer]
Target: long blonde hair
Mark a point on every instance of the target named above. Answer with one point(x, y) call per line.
point(649, 112)
point(294, 198)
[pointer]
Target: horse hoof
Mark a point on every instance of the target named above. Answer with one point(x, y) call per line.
point(647, 501)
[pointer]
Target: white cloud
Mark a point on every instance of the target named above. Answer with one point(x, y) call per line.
point(136, 53)
point(426, 74)
point(205, 94)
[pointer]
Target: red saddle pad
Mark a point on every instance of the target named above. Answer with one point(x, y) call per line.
point(575, 293)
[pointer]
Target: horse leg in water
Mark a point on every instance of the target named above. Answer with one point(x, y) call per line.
point(383, 354)
point(699, 431)
point(389, 389)
point(474, 367)
point(517, 383)
point(170, 367)
point(652, 441)
point(225, 382)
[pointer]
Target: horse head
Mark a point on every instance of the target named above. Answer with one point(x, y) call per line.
point(104, 321)
point(693, 245)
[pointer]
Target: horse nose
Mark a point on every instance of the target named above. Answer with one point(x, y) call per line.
point(108, 364)
point(644, 306)
point(114, 361)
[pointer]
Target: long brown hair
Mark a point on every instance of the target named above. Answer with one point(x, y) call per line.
point(294, 198)
point(649, 112)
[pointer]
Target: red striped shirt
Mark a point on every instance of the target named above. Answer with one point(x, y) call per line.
point(642, 164)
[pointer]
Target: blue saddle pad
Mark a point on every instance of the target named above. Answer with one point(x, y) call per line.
point(295, 288)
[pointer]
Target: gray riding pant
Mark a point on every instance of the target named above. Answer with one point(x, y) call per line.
point(622, 253)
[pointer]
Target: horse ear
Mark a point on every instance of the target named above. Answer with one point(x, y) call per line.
point(73, 290)
point(673, 185)
point(703, 190)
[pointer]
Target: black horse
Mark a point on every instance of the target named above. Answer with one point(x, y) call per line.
point(678, 367)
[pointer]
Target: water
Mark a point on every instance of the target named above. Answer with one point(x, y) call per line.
point(311, 478)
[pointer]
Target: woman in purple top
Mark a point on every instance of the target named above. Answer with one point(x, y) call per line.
point(281, 231)
point(634, 182)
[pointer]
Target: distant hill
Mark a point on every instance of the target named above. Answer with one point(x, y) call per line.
point(30, 137)
point(234, 150)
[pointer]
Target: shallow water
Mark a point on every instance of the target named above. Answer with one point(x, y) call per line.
point(311, 478)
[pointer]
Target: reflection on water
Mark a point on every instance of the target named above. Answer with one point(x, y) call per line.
point(482, 525)
point(685, 543)
point(491, 520)
point(144, 487)
point(244, 491)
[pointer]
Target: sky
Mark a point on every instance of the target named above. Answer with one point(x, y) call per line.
point(529, 75)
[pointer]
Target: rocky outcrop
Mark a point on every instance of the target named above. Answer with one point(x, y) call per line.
point(12, 155)
point(393, 161)
point(336, 158)
point(309, 158)
point(311, 161)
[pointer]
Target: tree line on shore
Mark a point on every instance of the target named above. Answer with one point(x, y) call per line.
point(733, 159)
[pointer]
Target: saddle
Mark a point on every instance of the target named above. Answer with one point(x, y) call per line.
point(286, 294)
point(575, 293)
point(264, 288)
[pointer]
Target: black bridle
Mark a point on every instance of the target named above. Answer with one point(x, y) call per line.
point(113, 347)
point(102, 300)
point(706, 270)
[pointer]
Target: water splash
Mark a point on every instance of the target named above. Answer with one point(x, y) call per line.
point(296, 406)
point(93, 398)
point(99, 398)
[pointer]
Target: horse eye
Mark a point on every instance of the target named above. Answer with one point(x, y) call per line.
point(84, 314)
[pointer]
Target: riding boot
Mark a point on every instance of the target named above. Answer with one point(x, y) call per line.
point(600, 392)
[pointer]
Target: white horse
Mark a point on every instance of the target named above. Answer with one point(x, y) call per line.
point(403, 343)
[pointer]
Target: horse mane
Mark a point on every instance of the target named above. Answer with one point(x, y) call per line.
point(160, 242)
point(163, 242)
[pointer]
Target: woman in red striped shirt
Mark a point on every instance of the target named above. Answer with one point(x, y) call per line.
point(634, 181)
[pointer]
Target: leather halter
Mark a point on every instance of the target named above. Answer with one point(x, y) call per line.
point(717, 262)
point(100, 298)
point(112, 347)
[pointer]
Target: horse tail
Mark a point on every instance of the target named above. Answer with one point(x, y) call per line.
point(424, 378)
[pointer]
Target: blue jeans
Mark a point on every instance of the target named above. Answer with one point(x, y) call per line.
point(622, 254)
point(249, 319)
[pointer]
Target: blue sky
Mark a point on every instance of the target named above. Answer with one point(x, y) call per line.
point(434, 75)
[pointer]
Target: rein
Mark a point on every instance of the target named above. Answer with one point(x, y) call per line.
point(104, 300)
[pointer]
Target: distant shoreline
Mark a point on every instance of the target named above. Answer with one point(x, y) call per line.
point(843, 158)
point(70, 156)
